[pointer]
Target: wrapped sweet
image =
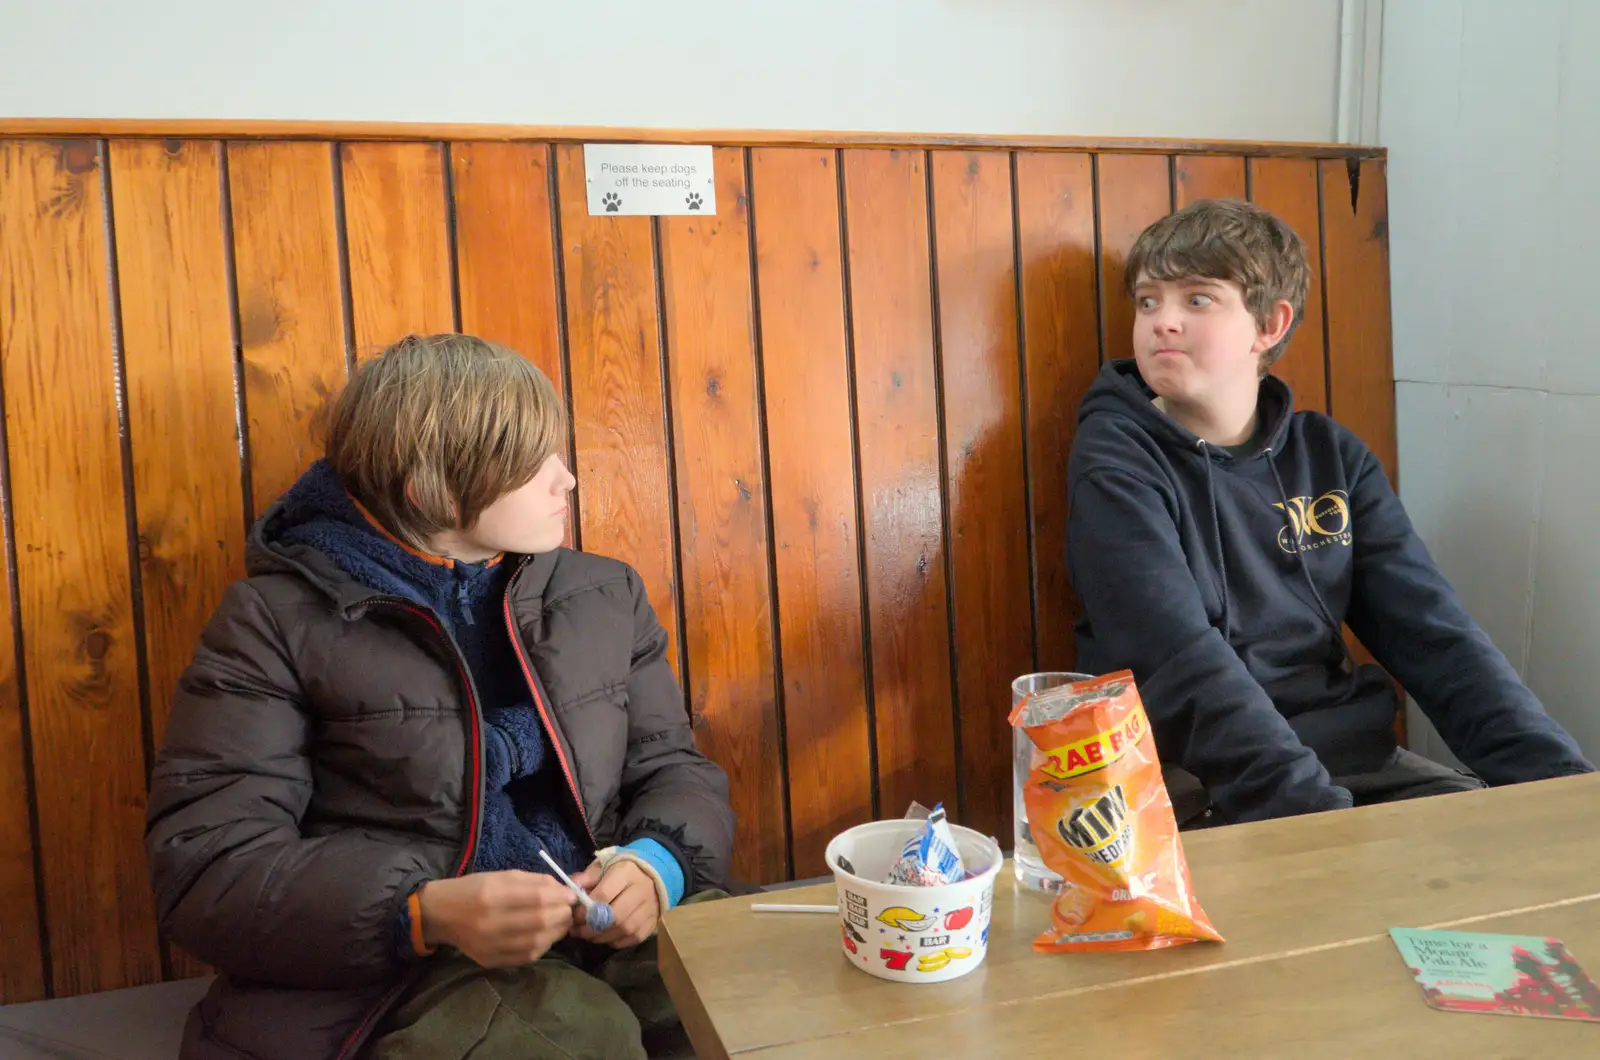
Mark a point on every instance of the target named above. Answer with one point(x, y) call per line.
point(930, 857)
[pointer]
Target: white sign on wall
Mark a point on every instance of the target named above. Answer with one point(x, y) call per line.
point(649, 179)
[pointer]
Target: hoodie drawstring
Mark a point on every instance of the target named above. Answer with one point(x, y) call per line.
point(1216, 534)
point(1305, 571)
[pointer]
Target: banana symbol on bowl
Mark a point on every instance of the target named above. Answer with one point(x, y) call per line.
point(902, 919)
point(932, 962)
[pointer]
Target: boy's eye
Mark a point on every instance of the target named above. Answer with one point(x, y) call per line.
point(1200, 301)
point(1146, 302)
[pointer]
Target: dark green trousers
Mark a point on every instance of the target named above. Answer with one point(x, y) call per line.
point(577, 1002)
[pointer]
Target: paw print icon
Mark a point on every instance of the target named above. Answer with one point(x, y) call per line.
point(613, 201)
point(693, 201)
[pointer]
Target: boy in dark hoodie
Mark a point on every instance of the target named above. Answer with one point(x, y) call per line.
point(414, 697)
point(1218, 540)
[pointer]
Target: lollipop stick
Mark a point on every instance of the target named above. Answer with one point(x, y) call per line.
point(588, 903)
point(597, 915)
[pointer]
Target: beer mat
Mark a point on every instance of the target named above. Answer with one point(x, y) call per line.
point(1508, 975)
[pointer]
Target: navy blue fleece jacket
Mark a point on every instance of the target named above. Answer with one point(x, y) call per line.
point(1222, 580)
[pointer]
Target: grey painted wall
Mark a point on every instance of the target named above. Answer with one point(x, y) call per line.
point(1491, 113)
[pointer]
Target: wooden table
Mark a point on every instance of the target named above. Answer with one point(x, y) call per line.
point(1305, 904)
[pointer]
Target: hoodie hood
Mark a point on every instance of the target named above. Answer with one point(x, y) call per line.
point(1120, 389)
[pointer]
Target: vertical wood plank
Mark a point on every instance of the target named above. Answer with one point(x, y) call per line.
point(1061, 341)
point(1355, 257)
point(984, 460)
point(1207, 177)
point(1135, 190)
point(1288, 187)
point(398, 234)
point(897, 415)
point(291, 325)
point(1360, 344)
point(177, 338)
point(809, 445)
point(710, 328)
point(505, 250)
point(72, 566)
point(624, 496)
point(22, 976)
point(178, 357)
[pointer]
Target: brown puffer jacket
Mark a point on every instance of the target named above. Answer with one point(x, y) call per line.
point(324, 757)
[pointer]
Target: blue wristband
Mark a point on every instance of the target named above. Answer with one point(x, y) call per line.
point(666, 866)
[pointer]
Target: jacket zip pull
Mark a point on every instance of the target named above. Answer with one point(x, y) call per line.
point(462, 603)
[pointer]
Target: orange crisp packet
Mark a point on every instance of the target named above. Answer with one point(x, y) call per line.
point(1100, 814)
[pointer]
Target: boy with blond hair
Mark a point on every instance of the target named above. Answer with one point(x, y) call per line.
point(413, 698)
point(1219, 540)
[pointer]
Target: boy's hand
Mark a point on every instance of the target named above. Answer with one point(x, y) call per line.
point(630, 892)
point(499, 919)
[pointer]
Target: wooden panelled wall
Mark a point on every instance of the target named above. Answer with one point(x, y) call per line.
point(829, 425)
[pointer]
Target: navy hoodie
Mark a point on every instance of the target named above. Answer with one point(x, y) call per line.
point(1221, 581)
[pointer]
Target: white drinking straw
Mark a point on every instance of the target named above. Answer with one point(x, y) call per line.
point(771, 907)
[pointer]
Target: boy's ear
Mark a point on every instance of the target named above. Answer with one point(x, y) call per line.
point(1279, 317)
